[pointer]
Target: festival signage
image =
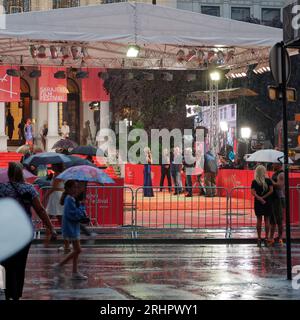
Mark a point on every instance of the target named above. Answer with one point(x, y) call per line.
point(93, 86)
point(50, 88)
point(9, 86)
point(291, 22)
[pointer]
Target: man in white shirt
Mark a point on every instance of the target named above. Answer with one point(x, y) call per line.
point(65, 130)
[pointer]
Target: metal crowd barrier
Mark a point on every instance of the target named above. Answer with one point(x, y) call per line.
point(227, 211)
point(241, 209)
point(106, 207)
point(168, 211)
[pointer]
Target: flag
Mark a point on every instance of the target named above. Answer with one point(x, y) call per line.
point(93, 86)
point(9, 86)
point(50, 88)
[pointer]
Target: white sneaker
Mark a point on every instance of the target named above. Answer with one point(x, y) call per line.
point(78, 276)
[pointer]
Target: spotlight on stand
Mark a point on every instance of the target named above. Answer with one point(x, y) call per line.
point(166, 76)
point(35, 74)
point(103, 75)
point(41, 52)
point(133, 51)
point(13, 72)
point(82, 75)
point(54, 52)
point(60, 75)
point(95, 106)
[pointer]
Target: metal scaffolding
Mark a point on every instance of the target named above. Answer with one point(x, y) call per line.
point(214, 116)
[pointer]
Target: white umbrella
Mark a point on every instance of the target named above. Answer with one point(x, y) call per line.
point(268, 155)
point(15, 228)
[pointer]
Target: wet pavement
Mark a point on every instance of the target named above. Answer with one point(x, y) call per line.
point(163, 272)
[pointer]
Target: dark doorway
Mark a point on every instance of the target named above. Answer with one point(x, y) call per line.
point(18, 111)
point(71, 111)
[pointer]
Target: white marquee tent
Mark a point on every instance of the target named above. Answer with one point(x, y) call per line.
point(107, 30)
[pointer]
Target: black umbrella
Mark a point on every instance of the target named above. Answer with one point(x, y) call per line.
point(65, 144)
point(86, 150)
point(46, 158)
point(76, 161)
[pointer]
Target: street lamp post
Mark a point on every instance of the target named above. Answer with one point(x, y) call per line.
point(214, 78)
point(286, 163)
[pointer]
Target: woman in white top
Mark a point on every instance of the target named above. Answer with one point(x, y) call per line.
point(54, 208)
point(65, 130)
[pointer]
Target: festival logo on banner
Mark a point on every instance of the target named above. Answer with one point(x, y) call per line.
point(50, 88)
point(93, 86)
point(9, 86)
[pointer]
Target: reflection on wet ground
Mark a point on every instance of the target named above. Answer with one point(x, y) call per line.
point(163, 272)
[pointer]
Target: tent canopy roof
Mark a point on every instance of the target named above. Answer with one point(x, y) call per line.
point(110, 28)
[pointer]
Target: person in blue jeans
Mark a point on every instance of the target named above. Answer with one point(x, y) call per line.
point(73, 214)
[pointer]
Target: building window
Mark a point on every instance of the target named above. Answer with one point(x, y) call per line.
point(112, 1)
point(270, 16)
point(57, 4)
point(16, 6)
point(211, 10)
point(240, 13)
point(232, 111)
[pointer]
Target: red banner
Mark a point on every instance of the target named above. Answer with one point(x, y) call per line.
point(50, 88)
point(93, 86)
point(9, 86)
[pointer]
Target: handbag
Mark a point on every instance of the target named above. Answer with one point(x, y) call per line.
point(85, 220)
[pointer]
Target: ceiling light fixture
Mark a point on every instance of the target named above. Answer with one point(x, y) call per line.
point(133, 51)
point(41, 52)
point(13, 72)
point(60, 74)
point(82, 75)
point(33, 51)
point(35, 74)
point(75, 52)
point(53, 52)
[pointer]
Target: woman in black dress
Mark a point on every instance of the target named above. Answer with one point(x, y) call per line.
point(262, 189)
point(28, 198)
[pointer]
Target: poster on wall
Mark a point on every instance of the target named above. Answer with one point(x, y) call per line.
point(93, 86)
point(9, 86)
point(52, 89)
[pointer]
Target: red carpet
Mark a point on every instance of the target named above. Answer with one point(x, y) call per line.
point(6, 157)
